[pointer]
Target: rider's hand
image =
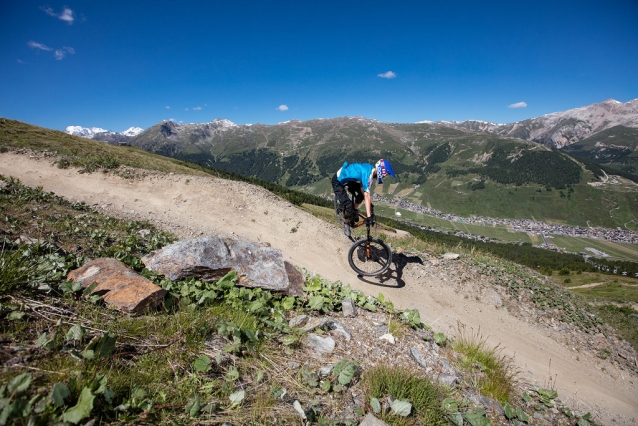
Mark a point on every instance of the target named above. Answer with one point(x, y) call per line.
point(370, 220)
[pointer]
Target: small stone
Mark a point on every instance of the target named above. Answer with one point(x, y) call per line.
point(447, 379)
point(337, 327)
point(389, 337)
point(323, 345)
point(382, 328)
point(348, 308)
point(370, 420)
point(325, 371)
point(418, 357)
point(451, 256)
point(314, 323)
point(299, 321)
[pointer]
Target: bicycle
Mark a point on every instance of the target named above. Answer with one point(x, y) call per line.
point(368, 256)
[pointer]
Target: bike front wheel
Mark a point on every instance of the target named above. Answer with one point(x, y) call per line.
point(370, 257)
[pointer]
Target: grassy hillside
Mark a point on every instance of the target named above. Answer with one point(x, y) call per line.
point(21, 135)
point(451, 170)
point(90, 155)
point(616, 147)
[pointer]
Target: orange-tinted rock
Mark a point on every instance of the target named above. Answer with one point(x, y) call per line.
point(118, 285)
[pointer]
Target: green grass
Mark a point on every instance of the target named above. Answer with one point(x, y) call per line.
point(492, 373)
point(613, 291)
point(84, 151)
point(396, 383)
point(623, 319)
point(578, 245)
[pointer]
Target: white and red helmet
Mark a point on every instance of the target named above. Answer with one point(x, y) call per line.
point(383, 169)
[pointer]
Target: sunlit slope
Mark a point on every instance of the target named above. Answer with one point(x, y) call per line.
point(452, 170)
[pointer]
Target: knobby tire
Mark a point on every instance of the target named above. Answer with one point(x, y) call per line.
point(370, 264)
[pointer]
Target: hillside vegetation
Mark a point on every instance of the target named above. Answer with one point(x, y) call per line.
point(451, 170)
point(216, 352)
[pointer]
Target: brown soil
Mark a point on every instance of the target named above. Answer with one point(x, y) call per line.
point(445, 292)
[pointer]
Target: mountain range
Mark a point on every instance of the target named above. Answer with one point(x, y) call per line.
point(561, 129)
point(100, 134)
point(468, 168)
point(558, 129)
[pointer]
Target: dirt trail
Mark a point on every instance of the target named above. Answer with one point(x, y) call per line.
point(191, 206)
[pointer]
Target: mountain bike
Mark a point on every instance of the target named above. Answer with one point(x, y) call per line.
point(368, 256)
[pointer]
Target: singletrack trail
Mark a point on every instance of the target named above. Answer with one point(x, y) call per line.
point(192, 206)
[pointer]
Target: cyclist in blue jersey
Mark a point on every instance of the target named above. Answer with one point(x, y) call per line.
point(357, 179)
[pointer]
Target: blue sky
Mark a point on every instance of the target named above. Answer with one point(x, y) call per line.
point(115, 64)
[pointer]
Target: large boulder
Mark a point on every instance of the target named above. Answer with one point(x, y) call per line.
point(118, 285)
point(210, 258)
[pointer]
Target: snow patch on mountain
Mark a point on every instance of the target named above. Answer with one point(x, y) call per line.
point(85, 132)
point(92, 132)
point(132, 131)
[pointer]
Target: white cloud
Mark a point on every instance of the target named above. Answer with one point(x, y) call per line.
point(61, 53)
point(35, 45)
point(387, 75)
point(518, 105)
point(167, 107)
point(57, 53)
point(198, 108)
point(185, 109)
point(66, 15)
point(282, 107)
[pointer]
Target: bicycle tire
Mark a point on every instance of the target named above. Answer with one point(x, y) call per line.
point(371, 264)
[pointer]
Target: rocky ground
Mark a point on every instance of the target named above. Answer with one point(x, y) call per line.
point(591, 371)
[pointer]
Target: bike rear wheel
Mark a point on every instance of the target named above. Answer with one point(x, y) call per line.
point(370, 257)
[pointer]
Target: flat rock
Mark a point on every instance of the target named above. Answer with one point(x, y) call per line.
point(451, 256)
point(118, 285)
point(210, 258)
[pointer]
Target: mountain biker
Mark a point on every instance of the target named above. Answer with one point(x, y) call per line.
point(357, 178)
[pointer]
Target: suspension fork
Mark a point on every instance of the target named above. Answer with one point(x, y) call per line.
point(368, 251)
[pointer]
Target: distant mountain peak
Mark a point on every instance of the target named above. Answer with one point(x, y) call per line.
point(85, 132)
point(224, 123)
point(100, 134)
point(561, 129)
point(132, 131)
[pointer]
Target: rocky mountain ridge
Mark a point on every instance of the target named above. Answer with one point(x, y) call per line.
point(557, 129)
point(561, 129)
